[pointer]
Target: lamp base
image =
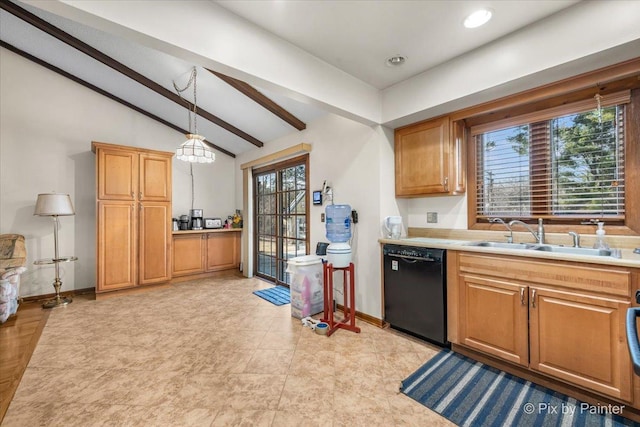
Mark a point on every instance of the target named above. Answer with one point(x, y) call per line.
point(58, 301)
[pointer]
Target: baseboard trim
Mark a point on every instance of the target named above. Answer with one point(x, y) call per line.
point(365, 317)
point(36, 298)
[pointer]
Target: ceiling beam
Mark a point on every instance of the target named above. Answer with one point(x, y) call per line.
point(83, 47)
point(257, 96)
point(103, 92)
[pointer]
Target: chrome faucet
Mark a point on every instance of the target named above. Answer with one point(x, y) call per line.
point(501, 221)
point(576, 239)
point(539, 236)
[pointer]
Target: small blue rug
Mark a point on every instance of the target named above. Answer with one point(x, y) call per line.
point(278, 295)
point(470, 393)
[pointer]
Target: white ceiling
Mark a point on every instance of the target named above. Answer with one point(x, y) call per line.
point(358, 36)
point(353, 38)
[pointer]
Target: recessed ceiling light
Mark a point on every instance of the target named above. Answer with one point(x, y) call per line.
point(478, 18)
point(396, 60)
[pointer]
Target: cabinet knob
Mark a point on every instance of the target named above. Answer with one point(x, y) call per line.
point(522, 296)
point(445, 183)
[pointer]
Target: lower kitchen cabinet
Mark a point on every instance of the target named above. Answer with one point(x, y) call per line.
point(581, 339)
point(133, 244)
point(542, 317)
point(223, 251)
point(199, 252)
point(493, 317)
point(188, 254)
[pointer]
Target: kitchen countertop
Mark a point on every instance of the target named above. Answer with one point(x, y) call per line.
point(628, 259)
point(206, 230)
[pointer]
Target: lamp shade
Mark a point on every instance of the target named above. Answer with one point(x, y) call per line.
point(194, 150)
point(53, 204)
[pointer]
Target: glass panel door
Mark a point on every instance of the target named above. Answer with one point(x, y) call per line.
point(281, 217)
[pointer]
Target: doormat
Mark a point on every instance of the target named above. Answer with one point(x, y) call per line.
point(278, 295)
point(470, 393)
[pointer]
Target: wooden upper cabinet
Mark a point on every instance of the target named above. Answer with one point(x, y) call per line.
point(117, 175)
point(155, 177)
point(429, 159)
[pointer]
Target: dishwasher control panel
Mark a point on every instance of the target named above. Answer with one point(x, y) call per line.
point(413, 252)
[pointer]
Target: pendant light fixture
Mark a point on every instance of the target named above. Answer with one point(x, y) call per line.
point(194, 149)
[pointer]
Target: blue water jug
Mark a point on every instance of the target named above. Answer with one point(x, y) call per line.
point(338, 221)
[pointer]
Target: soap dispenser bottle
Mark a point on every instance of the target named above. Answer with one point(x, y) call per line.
point(600, 242)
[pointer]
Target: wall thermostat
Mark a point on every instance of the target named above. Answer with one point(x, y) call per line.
point(317, 197)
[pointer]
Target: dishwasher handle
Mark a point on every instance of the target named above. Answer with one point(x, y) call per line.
point(412, 258)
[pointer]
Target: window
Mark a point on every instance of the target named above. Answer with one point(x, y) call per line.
point(564, 164)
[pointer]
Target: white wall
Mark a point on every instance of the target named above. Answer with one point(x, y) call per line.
point(47, 124)
point(354, 159)
point(451, 210)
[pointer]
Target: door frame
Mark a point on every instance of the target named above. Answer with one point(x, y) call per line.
point(279, 236)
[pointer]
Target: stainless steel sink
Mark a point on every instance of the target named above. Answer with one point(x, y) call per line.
point(573, 251)
point(543, 248)
point(502, 245)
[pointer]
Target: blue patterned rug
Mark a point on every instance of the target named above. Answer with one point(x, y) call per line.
point(470, 393)
point(278, 295)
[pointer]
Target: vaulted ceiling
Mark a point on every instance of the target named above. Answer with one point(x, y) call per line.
point(351, 37)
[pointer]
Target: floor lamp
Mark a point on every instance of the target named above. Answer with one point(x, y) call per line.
point(55, 205)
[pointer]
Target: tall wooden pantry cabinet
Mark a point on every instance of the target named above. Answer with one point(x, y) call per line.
point(133, 209)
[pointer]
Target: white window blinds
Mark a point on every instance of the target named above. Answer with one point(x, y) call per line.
point(565, 166)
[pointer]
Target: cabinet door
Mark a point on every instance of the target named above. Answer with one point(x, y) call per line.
point(422, 158)
point(493, 317)
point(117, 174)
point(155, 242)
point(188, 254)
point(581, 339)
point(117, 261)
point(222, 250)
point(155, 177)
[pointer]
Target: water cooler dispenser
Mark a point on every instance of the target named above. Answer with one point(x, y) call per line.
point(338, 222)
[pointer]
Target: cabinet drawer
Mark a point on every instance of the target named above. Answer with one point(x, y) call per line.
point(605, 280)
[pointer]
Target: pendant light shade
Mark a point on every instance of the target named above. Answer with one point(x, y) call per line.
point(194, 150)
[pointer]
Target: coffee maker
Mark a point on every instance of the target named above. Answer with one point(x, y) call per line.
point(196, 219)
point(184, 222)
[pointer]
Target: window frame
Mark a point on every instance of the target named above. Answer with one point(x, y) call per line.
point(510, 108)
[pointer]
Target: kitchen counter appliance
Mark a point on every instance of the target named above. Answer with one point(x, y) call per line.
point(415, 291)
point(212, 223)
point(196, 219)
point(184, 222)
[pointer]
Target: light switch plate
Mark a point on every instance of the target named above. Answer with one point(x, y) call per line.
point(432, 217)
point(322, 217)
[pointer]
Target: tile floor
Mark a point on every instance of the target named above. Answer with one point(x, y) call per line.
point(210, 353)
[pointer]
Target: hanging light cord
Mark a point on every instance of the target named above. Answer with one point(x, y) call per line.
point(193, 194)
point(192, 80)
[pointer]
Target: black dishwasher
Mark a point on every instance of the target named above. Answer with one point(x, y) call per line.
point(415, 291)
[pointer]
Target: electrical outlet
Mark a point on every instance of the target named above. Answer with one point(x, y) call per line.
point(322, 217)
point(432, 217)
